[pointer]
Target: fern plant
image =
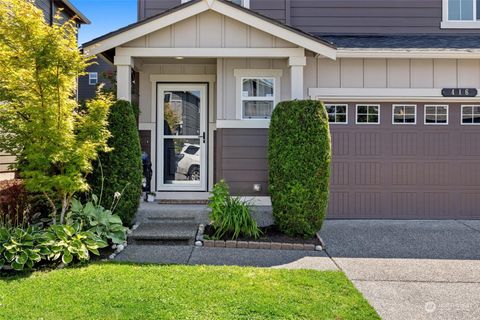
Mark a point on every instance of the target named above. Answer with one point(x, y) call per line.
point(230, 216)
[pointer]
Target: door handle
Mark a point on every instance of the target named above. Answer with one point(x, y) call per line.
point(204, 137)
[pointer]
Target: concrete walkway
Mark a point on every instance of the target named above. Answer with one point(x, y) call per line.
point(406, 269)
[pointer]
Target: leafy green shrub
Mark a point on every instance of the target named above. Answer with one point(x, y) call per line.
point(95, 218)
point(22, 249)
point(299, 158)
point(69, 242)
point(230, 216)
point(120, 169)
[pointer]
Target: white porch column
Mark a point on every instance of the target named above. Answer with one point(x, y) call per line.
point(296, 65)
point(124, 77)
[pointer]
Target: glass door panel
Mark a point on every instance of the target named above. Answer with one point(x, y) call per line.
point(182, 138)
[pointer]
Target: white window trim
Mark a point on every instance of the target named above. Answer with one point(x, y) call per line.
point(404, 123)
point(241, 74)
point(340, 105)
point(458, 24)
point(245, 3)
point(368, 105)
point(243, 98)
point(461, 115)
point(435, 124)
point(90, 78)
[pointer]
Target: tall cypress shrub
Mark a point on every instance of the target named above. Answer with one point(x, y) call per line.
point(122, 166)
point(299, 158)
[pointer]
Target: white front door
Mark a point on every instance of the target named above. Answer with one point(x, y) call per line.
point(182, 137)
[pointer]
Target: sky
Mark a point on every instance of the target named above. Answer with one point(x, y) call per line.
point(105, 15)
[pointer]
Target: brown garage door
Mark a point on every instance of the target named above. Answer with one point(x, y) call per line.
point(405, 171)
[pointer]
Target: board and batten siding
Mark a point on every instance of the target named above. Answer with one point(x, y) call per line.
point(392, 73)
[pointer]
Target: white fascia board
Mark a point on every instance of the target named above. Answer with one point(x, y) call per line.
point(409, 53)
point(382, 94)
point(275, 30)
point(146, 28)
point(210, 52)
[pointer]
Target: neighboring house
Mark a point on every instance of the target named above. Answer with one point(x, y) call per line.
point(399, 79)
point(50, 9)
point(97, 73)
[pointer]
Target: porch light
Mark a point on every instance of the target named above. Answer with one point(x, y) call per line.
point(179, 58)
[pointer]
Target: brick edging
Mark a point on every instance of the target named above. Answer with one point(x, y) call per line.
point(260, 245)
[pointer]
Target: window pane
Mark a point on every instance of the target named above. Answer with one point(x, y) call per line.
point(181, 111)
point(362, 118)
point(460, 9)
point(398, 119)
point(330, 109)
point(362, 109)
point(398, 111)
point(409, 118)
point(331, 117)
point(409, 110)
point(441, 110)
point(257, 88)
point(257, 109)
point(430, 118)
point(467, 110)
point(478, 9)
point(467, 118)
point(476, 110)
point(341, 109)
point(373, 109)
point(466, 9)
point(180, 165)
point(373, 118)
point(341, 118)
point(441, 119)
point(430, 110)
point(476, 118)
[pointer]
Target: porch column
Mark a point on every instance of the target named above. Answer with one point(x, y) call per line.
point(124, 77)
point(296, 65)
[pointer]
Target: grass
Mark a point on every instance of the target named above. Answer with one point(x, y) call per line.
point(123, 291)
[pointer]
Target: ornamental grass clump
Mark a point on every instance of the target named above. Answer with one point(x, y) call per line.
point(299, 156)
point(230, 216)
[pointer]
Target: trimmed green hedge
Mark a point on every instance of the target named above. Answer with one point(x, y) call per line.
point(122, 167)
point(299, 158)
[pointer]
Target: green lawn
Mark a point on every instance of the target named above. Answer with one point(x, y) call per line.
point(120, 291)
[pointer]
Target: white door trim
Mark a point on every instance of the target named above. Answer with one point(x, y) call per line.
point(161, 88)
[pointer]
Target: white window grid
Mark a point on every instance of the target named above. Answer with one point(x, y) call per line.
point(472, 114)
point(404, 123)
point(256, 98)
point(335, 105)
point(367, 114)
point(436, 106)
point(92, 78)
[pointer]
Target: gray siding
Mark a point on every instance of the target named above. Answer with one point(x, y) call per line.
point(341, 16)
point(378, 171)
point(148, 8)
point(87, 91)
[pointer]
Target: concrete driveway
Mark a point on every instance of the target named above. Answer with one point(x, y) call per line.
point(411, 269)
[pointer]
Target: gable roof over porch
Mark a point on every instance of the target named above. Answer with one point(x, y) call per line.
point(293, 38)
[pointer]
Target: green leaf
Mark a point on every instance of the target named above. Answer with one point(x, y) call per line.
point(67, 257)
point(17, 266)
point(21, 258)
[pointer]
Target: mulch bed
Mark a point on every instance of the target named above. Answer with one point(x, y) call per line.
point(269, 234)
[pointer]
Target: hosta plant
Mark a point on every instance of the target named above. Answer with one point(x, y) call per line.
point(95, 218)
point(69, 242)
point(21, 249)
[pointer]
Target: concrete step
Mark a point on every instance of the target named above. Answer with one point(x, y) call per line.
point(171, 219)
point(165, 233)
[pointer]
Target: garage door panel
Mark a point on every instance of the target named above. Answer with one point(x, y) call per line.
point(405, 171)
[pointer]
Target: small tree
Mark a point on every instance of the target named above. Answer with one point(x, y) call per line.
point(121, 169)
point(299, 158)
point(40, 121)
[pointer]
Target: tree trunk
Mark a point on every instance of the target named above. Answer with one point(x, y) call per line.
point(64, 209)
point(54, 208)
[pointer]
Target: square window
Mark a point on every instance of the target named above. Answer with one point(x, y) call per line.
point(436, 114)
point(257, 97)
point(337, 113)
point(404, 114)
point(368, 114)
point(471, 115)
